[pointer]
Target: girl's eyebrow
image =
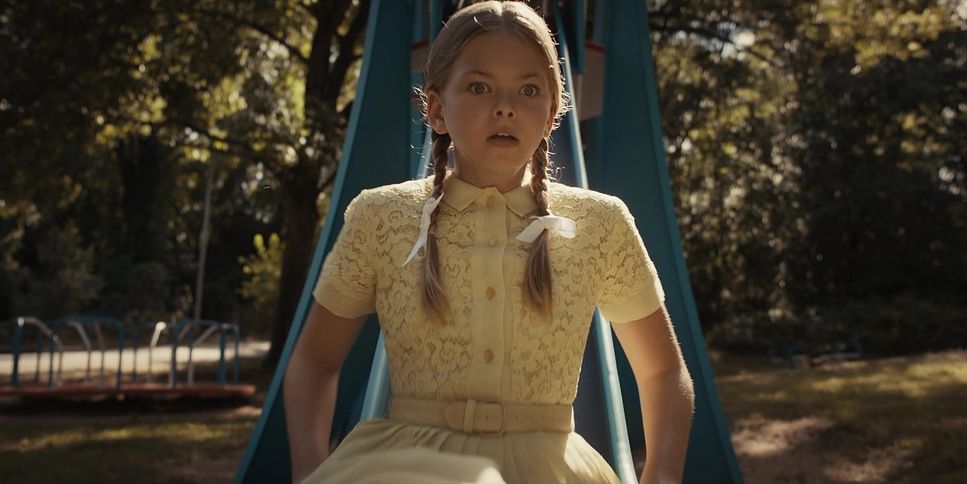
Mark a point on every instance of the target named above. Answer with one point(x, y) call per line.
point(487, 75)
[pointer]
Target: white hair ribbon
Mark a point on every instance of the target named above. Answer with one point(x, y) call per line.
point(552, 223)
point(428, 209)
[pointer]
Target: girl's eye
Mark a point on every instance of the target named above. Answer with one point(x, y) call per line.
point(529, 90)
point(478, 88)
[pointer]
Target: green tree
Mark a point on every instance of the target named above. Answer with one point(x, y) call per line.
point(814, 148)
point(261, 286)
point(815, 155)
point(242, 84)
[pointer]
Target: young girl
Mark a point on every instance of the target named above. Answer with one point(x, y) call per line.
point(485, 279)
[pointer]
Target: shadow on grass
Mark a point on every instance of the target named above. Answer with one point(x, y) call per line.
point(187, 439)
point(890, 420)
point(148, 451)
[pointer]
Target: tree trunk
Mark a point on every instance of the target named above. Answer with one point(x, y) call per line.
point(203, 239)
point(301, 220)
point(301, 184)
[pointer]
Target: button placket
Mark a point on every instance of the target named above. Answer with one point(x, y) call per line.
point(488, 300)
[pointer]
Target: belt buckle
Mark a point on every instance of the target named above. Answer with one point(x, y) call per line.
point(501, 418)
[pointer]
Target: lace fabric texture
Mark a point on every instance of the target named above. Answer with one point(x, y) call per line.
point(496, 346)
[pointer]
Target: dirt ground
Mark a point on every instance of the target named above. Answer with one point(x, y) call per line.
point(879, 420)
point(885, 420)
point(771, 451)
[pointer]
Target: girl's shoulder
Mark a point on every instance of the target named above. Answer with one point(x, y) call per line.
point(588, 203)
point(409, 197)
point(408, 193)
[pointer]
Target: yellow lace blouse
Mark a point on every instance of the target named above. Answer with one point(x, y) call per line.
point(496, 347)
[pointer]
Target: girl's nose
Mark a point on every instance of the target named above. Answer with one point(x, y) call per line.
point(501, 112)
point(503, 108)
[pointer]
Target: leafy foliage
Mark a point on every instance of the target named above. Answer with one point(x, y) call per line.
point(817, 164)
point(262, 284)
point(122, 108)
point(815, 147)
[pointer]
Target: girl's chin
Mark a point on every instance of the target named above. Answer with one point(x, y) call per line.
point(490, 156)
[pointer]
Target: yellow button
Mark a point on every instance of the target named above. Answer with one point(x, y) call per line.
point(493, 242)
point(488, 356)
point(491, 293)
point(491, 201)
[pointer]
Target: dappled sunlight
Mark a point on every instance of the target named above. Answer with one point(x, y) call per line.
point(758, 436)
point(907, 383)
point(905, 377)
point(57, 439)
point(761, 376)
point(896, 377)
point(153, 448)
point(876, 420)
point(956, 424)
point(781, 450)
point(176, 432)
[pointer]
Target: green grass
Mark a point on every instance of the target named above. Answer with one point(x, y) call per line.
point(888, 420)
point(898, 419)
point(135, 440)
point(194, 448)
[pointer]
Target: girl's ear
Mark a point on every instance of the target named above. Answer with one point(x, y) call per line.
point(434, 112)
point(550, 122)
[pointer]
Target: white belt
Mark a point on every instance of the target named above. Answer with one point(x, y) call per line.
point(482, 417)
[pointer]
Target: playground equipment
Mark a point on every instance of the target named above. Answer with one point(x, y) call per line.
point(158, 329)
point(95, 382)
point(43, 334)
point(82, 324)
point(187, 327)
point(615, 148)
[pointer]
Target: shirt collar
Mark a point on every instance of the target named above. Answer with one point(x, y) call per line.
point(460, 194)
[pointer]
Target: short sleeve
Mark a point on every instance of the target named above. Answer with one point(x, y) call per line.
point(347, 284)
point(630, 289)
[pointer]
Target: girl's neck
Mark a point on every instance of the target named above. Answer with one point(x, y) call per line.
point(502, 183)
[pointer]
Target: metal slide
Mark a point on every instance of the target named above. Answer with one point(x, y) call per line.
point(635, 171)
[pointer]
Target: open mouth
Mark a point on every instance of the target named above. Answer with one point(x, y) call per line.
point(502, 137)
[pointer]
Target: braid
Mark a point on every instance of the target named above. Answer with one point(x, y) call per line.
point(433, 295)
point(537, 277)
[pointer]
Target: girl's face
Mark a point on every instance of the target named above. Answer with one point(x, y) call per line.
point(498, 85)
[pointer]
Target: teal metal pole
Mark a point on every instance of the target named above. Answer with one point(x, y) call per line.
point(610, 409)
point(18, 330)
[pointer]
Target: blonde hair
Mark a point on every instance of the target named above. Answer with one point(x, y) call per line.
point(492, 16)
